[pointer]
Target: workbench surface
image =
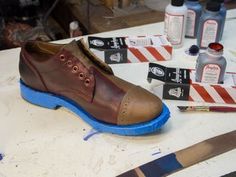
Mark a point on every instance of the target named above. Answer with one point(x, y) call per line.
point(38, 142)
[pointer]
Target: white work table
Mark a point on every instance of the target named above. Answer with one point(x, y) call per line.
point(38, 142)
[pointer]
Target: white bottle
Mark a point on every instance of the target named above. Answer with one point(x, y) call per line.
point(175, 22)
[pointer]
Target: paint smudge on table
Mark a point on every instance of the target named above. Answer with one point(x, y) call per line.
point(155, 153)
point(1, 156)
point(90, 134)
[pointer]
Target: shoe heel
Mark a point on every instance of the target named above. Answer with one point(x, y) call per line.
point(42, 99)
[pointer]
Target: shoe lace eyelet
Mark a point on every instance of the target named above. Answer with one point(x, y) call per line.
point(62, 57)
point(75, 69)
point(69, 63)
point(87, 82)
point(81, 76)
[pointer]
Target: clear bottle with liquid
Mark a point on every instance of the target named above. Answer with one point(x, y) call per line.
point(175, 22)
point(193, 17)
point(210, 66)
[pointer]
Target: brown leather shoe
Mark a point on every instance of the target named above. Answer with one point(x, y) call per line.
point(54, 75)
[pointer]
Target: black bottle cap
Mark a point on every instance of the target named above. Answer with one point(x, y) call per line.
point(177, 2)
point(193, 0)
point(219, 1)
point(213, 6)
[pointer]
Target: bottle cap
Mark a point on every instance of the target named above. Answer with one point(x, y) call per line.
point(213, 6)
point(193, 0)
point(177, 2)
point(219, 1)
point(215, 48)
point(74, 25)
point(75, 29)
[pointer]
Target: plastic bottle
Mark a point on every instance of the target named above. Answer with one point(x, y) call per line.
point(223, 12)
point(175, 21)
point(75, 29)
point(193, 17)
point(210, 25)
point(210, 66)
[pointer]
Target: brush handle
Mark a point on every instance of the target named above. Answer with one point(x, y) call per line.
point(222, 109)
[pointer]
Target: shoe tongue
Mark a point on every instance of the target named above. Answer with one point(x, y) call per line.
point(81, 51)
point(72, 46)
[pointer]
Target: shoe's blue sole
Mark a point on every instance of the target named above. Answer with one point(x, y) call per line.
point(52, 101)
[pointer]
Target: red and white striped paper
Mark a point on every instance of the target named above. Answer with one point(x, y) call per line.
point(149, 54)
point(204, 92)
point(214, 93)
point(159, 49)
point(148, 49)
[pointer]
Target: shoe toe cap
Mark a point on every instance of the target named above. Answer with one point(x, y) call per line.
point(138, 106)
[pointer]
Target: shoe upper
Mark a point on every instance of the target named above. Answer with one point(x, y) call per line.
point(73, 72)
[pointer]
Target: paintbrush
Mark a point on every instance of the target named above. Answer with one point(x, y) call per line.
point(207, 108)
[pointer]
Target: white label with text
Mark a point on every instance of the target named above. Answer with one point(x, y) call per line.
point(211, 73)
point(174, 28)
point(190, 23)
point(209, 32)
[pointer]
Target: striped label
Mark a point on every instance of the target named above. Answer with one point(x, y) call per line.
point(212, 94)
point(221, 93)
point(191, 90)
point(142, 49)
point(149, 54)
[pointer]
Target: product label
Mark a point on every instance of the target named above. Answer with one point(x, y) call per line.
point(115, 49)
point(176, 91)
point(209, 32)
point(211, 73)
point(190, 23)
point(106, 43)
point(115, 56)
point(157, 71)
point(176, 81)
point(139, 42)
point(174, 28)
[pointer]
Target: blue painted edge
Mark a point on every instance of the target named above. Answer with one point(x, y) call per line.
point(52, 101)
point(162, 166)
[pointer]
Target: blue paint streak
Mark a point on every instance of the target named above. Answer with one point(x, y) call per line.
point(90, 134)
point(155, 153)
point(1, 156)
point(53, 101)
point(161, 166)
